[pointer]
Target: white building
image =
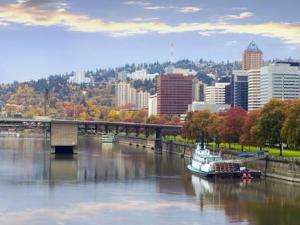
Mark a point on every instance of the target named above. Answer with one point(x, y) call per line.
point(152, 105)
point(184, 72)
point(125, 94)
point(253, 89)
point(142, 99)
point(79, 78)
point(141, 75)
point(196, 106)
point(122, 93)
point(280, 80)
point(215, 94)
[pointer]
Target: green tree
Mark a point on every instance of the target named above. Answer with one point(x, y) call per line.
point(270, 123)
point(291, 127)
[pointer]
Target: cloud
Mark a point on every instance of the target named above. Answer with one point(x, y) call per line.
point(186, 9)
point(242, 15)
point(20, 13)
point(63, 215)
point(139, 19)
point(150, 6)
point(59, 5)
point(137, 3)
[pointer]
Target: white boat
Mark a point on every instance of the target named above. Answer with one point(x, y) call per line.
point(108, 138)
point(209, 165)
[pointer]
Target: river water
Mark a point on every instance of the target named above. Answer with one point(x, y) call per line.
point(115, 184)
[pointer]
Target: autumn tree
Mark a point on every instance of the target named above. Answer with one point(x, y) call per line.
point(231, 128)
point(249, 136)
point(113, 115)
point(215, 122)
point(270, 123)
point(196, 125)
point(291, 126)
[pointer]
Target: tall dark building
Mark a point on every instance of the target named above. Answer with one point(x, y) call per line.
point(174, 94)
point(239, 89)
point(228, 94)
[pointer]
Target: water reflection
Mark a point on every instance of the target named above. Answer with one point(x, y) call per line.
point(120, 185)
point(63, 168)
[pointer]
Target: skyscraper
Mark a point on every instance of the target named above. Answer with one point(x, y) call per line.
point(252, 57)
point(253, 89)
point(280, 80)
point(174, 94)
point(239, 88)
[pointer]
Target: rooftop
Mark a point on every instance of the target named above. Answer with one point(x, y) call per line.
point(252, 47)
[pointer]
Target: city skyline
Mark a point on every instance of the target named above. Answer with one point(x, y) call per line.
point(39, 38)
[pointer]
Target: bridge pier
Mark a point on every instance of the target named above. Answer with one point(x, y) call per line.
point(64, 136)
point(158, 141)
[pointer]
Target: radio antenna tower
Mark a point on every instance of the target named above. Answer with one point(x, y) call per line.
point(172, 57)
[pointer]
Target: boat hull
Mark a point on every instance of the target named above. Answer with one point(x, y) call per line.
point(237, 174)
point(214, 174)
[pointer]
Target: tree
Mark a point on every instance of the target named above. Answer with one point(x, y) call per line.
point(113, 115)
point(140, 116)
point(196, 125)
point(291, 127)
point(231, 129)
point(249, 136)
point(215, 122)
point(270, 123)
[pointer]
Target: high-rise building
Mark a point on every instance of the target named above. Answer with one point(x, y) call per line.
point(142, 99)
point(252, 57)
point(125, 94)
point(280, 80)
point(239, 89)
point(228, 94)
point(152, 105)
point(253, 89)
point(174, 94)
point(215, 94)
point(122, 93)
point(198, 90)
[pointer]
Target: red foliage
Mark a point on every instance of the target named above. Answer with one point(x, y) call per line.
point(231, 129)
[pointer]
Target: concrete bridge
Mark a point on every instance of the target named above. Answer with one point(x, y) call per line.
point(64, 133)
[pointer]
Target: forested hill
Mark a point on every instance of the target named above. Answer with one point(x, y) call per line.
point(31, 94)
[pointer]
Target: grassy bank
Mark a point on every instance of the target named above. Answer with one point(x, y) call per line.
point(238, 147)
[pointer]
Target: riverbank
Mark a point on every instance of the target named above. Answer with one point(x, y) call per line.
point(283, 168)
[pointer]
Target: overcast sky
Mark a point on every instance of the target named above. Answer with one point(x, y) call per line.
point(43, 37)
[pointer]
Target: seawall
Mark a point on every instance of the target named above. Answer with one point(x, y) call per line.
point(272, 166)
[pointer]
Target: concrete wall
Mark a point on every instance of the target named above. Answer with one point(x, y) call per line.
point(276, 167)
point(63, 134)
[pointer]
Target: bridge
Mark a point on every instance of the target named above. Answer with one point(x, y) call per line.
point(64, 133)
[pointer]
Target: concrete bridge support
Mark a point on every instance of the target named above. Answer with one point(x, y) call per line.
point(64, 136)
point(158, 141)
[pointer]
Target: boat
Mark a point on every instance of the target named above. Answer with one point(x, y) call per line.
point(108, 138)
point(209, 165)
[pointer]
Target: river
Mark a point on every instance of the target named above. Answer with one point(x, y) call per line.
point(115, 184)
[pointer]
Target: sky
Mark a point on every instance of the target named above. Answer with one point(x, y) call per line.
point(43, 37)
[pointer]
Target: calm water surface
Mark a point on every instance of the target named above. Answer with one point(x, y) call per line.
point(114, 184)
